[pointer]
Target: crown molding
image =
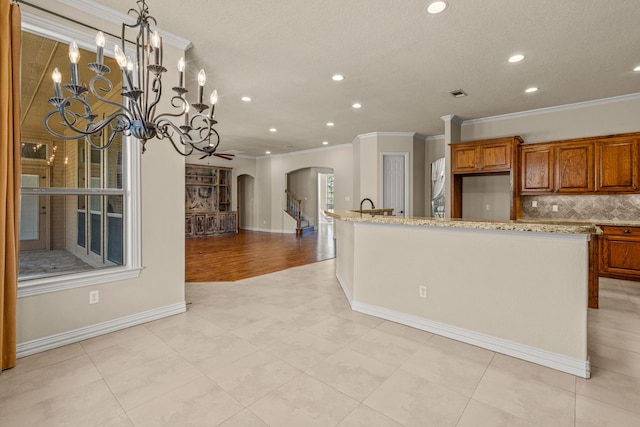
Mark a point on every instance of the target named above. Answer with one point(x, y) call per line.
point(297, 153)
point(434, 137)
point(111, 15)
point(595, 102)
point(452, 118)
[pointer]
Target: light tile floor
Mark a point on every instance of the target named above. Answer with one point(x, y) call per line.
point(285, 350)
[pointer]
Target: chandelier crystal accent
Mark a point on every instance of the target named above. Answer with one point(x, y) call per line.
point(141, 92)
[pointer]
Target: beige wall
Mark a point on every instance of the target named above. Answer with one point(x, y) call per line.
point(501, 292)
point(271, 182)
point(486, 197)
point(161, 282)
point(603, 117)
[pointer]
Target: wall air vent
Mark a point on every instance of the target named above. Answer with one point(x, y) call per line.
point(458, 93)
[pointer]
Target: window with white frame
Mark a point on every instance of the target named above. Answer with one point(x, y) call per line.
point(79, 206)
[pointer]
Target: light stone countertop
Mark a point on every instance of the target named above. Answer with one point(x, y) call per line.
point(542, 226)
point(617, 223)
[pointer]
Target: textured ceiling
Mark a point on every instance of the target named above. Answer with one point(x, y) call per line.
point(399, 62)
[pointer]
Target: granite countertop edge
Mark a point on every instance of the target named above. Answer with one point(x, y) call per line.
point(529, 225)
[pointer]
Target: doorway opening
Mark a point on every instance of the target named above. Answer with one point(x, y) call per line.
point(245, 202)
point(325, 197)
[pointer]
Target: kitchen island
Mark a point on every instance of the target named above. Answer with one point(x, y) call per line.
point(518, 288)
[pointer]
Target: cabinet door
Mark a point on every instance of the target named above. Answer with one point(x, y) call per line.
point(465, 158)
point(620, 252)
point(537, 169)
point(574, 168)
point(617, 165)
point(496, 157)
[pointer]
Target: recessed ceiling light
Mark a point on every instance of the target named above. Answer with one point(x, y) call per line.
point(330, 124)
point(637, 68)
point(267, 152)
point(325, 142)
point(246, 98)
point(437, 6)
point(531, 90)
point(337, 77)
point(357, 105)
point(273, 130)
point(516, 58)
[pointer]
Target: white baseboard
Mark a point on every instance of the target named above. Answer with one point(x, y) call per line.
point(580, 368)
point(271, 230)
point(58, 340)
point(345, 289)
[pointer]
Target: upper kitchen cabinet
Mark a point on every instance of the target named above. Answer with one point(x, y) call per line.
point(491, 155)
point(537, 168)
point(596, 165)
point(617, 164)
point(575, 168)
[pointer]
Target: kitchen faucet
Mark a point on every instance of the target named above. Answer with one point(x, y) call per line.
point(363, 200)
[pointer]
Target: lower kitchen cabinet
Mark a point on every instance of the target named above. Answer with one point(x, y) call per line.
point(619, 252)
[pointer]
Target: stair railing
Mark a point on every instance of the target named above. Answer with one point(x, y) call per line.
point(294, 208)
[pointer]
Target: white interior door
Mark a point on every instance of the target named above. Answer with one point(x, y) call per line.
point(34, 212)
point(393, 183)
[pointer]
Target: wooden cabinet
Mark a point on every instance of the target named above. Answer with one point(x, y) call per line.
point(597, 165)
point(465, 158)
point(619, 252)
point(537, 170)
point(208, 201)
point(617, 165)
point(492, 155)
point(575, 168)
point(497, 156)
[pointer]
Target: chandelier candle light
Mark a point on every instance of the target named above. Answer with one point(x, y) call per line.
point(141, 92)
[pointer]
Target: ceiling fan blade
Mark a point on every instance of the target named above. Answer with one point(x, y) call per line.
point(225, 156)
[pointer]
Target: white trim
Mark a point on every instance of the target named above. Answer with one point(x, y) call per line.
point(556, 108)
point(116, 17)
point(29, 288)
point(296, 153)
point(58, 340)
point(577, 367)
point(344, 288)
point(452, 118)
point(377, 134)
point(434, 138)
point(270, 230)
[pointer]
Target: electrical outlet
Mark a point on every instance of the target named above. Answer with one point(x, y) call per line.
point(94, 297)
point(423, 291)
point(488, 207)
point(554, 208)
point(534, 203)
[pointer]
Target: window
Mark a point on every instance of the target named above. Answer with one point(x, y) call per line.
point(79, 205)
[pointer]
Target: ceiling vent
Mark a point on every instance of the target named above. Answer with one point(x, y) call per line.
point(458, 93)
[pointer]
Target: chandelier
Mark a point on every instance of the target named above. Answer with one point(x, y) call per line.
point(141, 92)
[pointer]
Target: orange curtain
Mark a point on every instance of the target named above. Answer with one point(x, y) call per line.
point(10, 32)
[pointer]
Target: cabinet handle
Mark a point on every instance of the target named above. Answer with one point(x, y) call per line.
point(627, 231)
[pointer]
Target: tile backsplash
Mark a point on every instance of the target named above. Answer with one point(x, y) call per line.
point(620, 207)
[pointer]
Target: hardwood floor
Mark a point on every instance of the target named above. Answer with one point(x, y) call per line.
point(254, 253)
